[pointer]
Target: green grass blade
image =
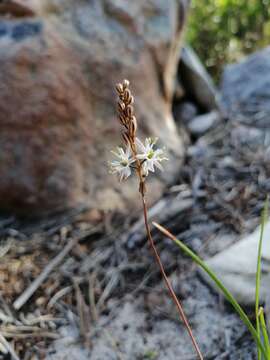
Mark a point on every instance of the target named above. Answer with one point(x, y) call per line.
point(219, 284)
point(264, 331)
point(258, 273)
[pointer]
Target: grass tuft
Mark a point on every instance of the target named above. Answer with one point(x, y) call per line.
point(263, 348)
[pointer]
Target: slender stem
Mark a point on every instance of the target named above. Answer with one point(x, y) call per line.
point(264, 216)
point(169, 286)
point(264, 332)
point(153, 247)
point(218, 282)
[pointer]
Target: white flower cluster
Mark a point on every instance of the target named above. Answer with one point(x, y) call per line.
point(148, 157)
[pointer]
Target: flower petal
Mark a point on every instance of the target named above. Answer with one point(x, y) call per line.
point(159, 166)
point(140, 146)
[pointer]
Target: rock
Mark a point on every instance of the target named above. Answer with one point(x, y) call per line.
point(246, 89)
point(57, 100)
point(200, 151)
point(236, 268)
point(18, 8)
point(184, 112)
point(196, 81)
point(202, 123)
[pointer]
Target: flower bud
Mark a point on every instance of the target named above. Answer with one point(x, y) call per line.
point(127, 95)
point(130, 100)
point(129, 111)
point(126, 138)
point(121, 106)
point(122, 119)
point(133, 126)
point(125, 84)
point(119, 88)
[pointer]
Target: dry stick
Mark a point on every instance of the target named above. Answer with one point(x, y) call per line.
point(62, 292)
point(84, 320)
point(25, 296)
point(44, 334)
point(91, 296)
point(8, 347)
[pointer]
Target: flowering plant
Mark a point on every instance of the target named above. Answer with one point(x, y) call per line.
point(143, 158)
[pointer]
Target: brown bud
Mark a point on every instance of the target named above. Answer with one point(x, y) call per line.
point(119, 88)
point(130, 100)
point(126, 138)
point(122, 119)
point(125, 84)
point(121, 106)
point(133, 119)
point(133, 126)
point(129, 111)
point(127, 95)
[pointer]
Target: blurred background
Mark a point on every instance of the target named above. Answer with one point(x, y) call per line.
point(223, 31)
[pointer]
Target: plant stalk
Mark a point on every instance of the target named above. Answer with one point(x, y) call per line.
point(168, 284)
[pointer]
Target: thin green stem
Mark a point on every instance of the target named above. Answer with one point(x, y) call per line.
point(258, 274)
point(264, 332)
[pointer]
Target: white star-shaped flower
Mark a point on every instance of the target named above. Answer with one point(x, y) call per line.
point(150, 157)
point(121, 166)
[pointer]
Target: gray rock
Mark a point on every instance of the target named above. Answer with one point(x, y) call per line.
point(200, 151)
point(246, 89)
point(184, 112)
point(196, 81)
point(202, 123)
point(236, 268)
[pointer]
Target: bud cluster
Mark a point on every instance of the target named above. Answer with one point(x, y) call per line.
point(142, 157)
point(126, 112)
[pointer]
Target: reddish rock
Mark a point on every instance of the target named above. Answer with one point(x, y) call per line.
point(57, 100)
point(18, 8)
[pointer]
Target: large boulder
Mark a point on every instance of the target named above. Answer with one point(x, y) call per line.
point(59, 64)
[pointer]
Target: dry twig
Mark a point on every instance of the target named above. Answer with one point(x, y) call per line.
point(9, 348)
